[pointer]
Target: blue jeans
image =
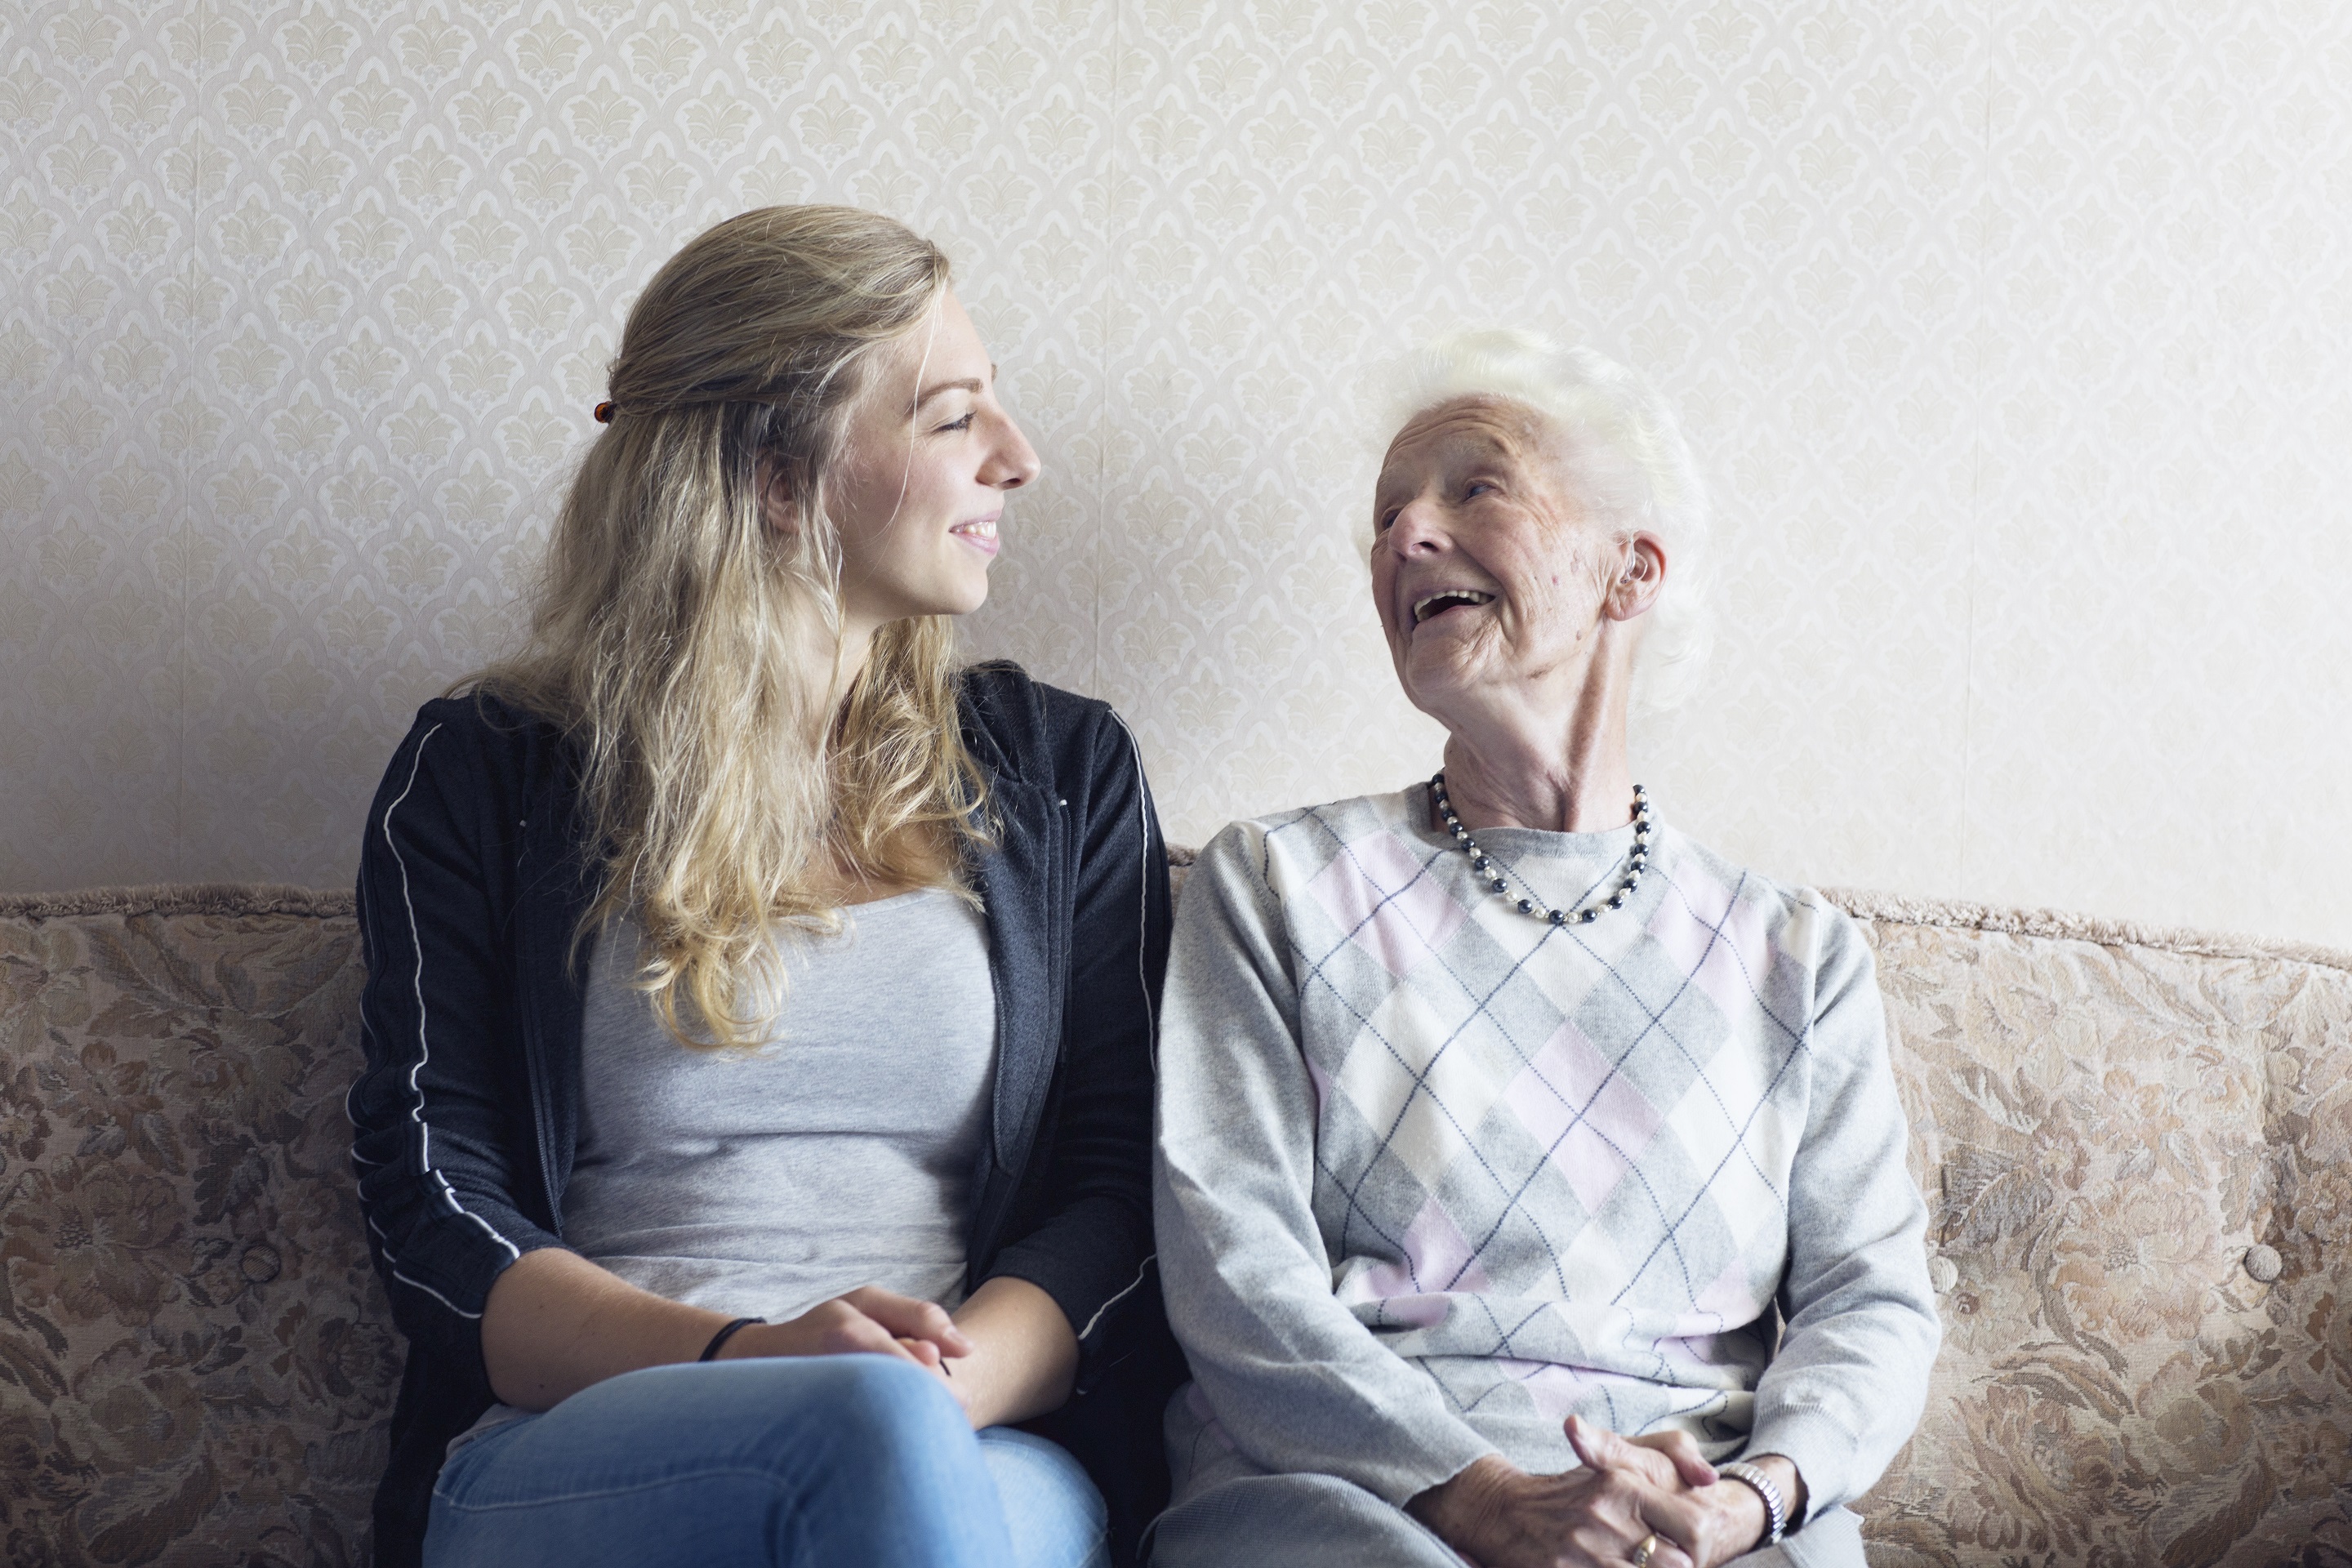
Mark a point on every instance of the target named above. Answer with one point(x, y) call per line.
point(792, 1462)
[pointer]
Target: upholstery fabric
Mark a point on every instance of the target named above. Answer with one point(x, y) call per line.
point(2104, 1130)
point(195, 1362)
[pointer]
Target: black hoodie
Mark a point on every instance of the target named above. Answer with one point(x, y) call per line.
point(472, 884)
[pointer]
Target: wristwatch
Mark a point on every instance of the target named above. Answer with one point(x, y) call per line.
point(1776, 1512)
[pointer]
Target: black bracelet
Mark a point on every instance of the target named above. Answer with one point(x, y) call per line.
point(710, 1350)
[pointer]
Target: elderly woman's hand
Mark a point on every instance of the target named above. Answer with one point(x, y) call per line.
point(1722, 1522)
point(1498, 1516)
point(1658, 1487)
point(1662, 1458)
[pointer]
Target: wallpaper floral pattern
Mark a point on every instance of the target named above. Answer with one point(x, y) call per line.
point(2013, 335)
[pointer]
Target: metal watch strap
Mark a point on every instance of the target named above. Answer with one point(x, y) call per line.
point(1776, 1512)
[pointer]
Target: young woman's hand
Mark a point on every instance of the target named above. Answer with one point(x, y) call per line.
point(556, 1323)
point(1024, 1357)
point(1008, 1352)
point(868, 1318)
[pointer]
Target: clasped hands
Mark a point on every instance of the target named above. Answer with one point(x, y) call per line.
point(1007, 1354)
point(1627, 1489)
point(870, 1319)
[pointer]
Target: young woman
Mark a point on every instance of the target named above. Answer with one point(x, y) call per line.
point(757, 1117)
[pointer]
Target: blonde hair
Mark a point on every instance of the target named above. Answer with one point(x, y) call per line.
point(1623, 455)
point(687, 648)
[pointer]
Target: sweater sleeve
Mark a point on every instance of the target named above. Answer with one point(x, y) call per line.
point(1850, 1379)
point(1298, 1383)
point(440, 1113)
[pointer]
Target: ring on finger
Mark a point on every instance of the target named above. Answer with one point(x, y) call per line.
point(1642, 1552)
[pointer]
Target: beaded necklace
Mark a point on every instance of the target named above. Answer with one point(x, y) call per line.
point(1484, 864)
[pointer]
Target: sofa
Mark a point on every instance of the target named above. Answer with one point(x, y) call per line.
point(2137, 1146)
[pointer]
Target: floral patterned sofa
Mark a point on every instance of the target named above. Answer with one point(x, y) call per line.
point(2138, 1145)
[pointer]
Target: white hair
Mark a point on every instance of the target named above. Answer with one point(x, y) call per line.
point(1623, 457)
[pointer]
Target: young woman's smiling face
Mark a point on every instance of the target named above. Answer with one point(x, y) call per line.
point(921, 489)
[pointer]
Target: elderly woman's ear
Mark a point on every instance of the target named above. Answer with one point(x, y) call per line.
point(1640, 579)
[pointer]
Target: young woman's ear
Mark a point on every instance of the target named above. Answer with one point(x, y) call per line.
point(776, 507)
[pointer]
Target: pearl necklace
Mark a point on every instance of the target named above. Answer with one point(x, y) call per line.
point(1484, 864)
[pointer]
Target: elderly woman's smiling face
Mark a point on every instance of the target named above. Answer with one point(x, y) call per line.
point(1485, 569)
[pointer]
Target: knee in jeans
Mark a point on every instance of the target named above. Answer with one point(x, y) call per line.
point(887, 1406)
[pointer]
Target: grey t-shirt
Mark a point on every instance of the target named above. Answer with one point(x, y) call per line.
point(841, 1152)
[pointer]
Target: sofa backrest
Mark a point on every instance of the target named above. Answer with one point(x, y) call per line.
point(193, 1345)
point(2136, 1147)
point(2136, 1150)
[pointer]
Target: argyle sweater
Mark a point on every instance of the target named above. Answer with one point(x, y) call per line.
point(1433, 1174)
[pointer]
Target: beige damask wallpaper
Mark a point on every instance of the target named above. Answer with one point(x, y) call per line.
point(2015, 337)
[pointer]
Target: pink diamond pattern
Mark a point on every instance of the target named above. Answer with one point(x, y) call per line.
point(1557, 1389)
point(1379, 893)
point(1718, 941)
point(1593, 1121)
point(1438, 1261)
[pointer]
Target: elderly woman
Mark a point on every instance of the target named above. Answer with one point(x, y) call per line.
point(1530, 1184)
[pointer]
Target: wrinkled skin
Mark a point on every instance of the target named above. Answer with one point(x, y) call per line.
point(1531, 684)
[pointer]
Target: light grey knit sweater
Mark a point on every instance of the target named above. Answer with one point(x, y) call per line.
point(1433, 1174)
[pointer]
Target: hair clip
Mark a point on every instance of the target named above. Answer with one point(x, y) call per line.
point(604, 414)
